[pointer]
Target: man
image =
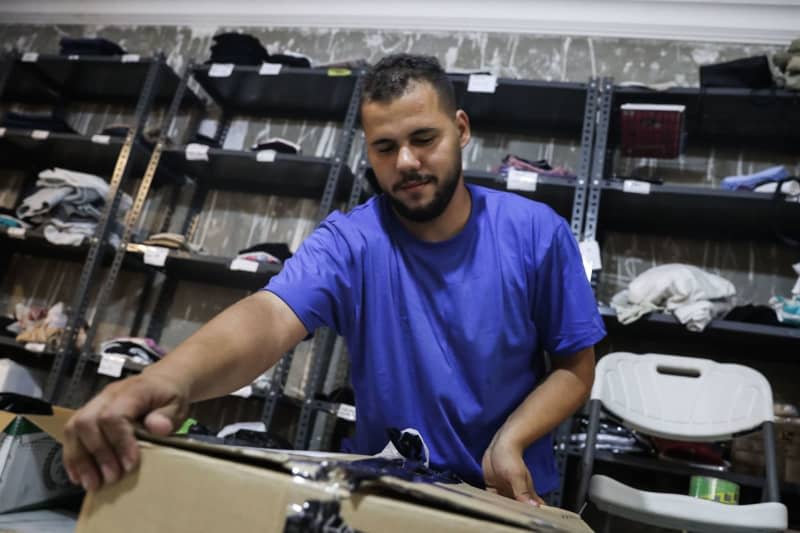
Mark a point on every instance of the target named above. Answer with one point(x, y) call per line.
point(447, 294)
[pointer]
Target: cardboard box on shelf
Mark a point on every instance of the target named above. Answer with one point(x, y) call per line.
point(184, 485)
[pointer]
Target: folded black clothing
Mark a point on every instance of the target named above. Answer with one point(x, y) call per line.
point(96, 46)
point(748, 72)
point(277, 249)
point(282, 146)
point(290, 60)
point(36, 121)
point(754, 314)
point(199, 138)
point(238, 48)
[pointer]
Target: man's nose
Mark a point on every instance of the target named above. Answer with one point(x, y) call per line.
point(406, 160)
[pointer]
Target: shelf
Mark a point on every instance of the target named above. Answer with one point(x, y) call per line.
point(89, 78)
point(72, 152)
point(287, 175)
point(736, 340)
point(524, 106)
point(209, 269)
point(11, 349)
point(35, 243)
point(294, 92)
point(653, 464)
point(556, 192)
point(698, 212)
point(745, 118)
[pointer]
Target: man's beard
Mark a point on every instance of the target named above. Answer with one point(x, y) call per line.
point(445, 189)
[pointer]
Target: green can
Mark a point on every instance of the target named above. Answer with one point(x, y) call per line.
point(711, 488)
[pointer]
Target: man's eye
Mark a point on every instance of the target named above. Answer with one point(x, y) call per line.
point(385, 149)
point(423, 140)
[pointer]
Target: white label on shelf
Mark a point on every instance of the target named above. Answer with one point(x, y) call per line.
point(17, 233)
point(481, 83)
point(196, 152)
point(244, 265)
point(590, 252)
point(266, 156)
point(346, 412)
point(155, 255)
point(111, 364)
point(74, 57)
point(130, 58)
point(40, 135)
point(521, 180)
point(2, 132)
point(30, 57)
point(244, 392)
point(101, 139)
point(636, 187)
point(220, 70)
point(35, 347)
point(270, 69)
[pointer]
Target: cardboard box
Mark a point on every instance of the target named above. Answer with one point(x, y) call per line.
point(31, 470)
point(190, 486)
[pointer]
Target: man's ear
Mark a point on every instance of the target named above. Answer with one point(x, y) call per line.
point(464, 131)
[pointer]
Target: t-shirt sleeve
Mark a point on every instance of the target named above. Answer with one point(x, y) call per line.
point(316, 282)
point(565, 310)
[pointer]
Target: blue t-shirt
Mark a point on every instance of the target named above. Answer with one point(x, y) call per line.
point(446, 337)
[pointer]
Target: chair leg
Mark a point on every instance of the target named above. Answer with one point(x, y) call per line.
point(606, 523)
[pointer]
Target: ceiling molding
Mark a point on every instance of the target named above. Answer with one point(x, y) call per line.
point(740, 21)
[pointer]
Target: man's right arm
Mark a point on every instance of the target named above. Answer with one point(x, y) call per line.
point(222, 356)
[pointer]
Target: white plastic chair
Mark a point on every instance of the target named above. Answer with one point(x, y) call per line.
point(690, 399)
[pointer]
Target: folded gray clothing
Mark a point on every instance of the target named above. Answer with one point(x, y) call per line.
point(68, 233)
point(42, 201)
point(69, 212)
point(60, 177)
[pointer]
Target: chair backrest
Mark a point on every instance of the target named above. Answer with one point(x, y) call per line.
point(682, 397)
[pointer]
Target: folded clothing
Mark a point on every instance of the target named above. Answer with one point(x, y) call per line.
point(174, 241)
point(789, 187)
point(748, 72)
point(541, 167)
point(290, 59)
point(694, 296)
point(96, 46)
point(142, 350)
point(36, 121)
point(259, 257)
point(238, 48)
point(751, 181)
point(279, 250)
point(68, 233)
point(41, 325)
point(278, 144)
point(754, 314)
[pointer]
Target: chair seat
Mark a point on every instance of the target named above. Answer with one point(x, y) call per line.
point(684, 512)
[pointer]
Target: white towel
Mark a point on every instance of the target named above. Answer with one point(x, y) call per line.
point(693, 295)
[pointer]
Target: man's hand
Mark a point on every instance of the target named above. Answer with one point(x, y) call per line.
point(505, 473)
point(99, 444)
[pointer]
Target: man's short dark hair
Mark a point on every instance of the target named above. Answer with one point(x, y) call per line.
point(390, 77)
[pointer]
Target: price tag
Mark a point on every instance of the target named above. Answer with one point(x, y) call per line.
point(636, 187)
point(521, 180)
point(30, 57)
point(101, 139)
point(335, 72)
point(482, 83)
point(74, 57)
point(111, 364)
point(590, 253)
point(130, 58)
point(244, 265)
point(220, 70)
point(244, 392)
point(40, 135)
point(2, 132)
point(155, 255)
point(35, 347)
point(17, 233)
point(196, 152)
point(266, 156)
point(270, 69)
point(346, 412)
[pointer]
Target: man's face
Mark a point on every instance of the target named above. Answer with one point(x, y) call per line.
point(414, 147)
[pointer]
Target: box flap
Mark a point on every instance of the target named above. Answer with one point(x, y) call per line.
point(51, 424)
point(461, 498)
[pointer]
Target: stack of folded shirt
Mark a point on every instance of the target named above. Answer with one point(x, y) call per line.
point(694, 296)
point(142, 350)
point(766, 180)
point(277, 144)
point(69, 204)
point(174, 241)
point(244, 49)
point(541, 167)
point(41, 326)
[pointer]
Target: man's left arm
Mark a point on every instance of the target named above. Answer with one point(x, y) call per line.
point(557, 397)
